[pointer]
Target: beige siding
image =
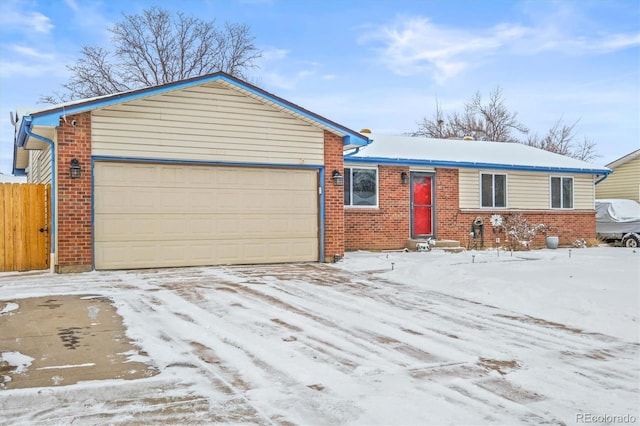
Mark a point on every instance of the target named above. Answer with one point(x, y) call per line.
point(161, 215)
point(39, 166)
point(584, 192)
point(469, 188)
point(624, 182)
point(525, 191)
point(210, 123)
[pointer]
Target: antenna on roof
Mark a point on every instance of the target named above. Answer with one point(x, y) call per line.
point(14, 119)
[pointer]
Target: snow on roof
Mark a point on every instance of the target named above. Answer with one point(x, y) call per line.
point(387, 149)
point(12, 179)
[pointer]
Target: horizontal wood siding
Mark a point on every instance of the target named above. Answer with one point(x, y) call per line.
point(584, 192)
point(39, 166)
point(205, 123)
point(624, 182)
point(525, 191)
point(469, 187)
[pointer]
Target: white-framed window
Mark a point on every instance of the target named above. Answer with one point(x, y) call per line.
point(561, 190)
point(493, 190)
point(360, 187)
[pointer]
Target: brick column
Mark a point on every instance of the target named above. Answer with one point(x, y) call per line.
point(334, 198)
point(74, 195)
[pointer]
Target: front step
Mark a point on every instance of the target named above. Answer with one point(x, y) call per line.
point(450, 246)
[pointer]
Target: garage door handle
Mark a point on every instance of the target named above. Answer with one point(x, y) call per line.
point(44, 229)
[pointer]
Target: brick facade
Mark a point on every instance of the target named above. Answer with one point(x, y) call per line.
point(388, 226)
point(385, 227)
point(334, 243)
point(74, 250)
point(455, 224)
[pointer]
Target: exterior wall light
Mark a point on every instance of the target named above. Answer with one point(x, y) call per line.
point(338, 179)
point(74, 169)
point(404, 177)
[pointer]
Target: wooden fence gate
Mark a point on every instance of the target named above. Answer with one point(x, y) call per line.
point(24, 226)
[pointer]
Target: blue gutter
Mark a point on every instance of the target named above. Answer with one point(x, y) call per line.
point(27, 131)
point(603, 178)
point(471, 165)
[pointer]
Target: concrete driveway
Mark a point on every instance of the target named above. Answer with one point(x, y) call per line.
point(287, 344)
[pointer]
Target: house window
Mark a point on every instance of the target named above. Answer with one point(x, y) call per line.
point(493, 190)
point(561, 192)
point(360, 187)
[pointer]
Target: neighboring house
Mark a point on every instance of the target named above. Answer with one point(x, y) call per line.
point(401, 187)
point(624, 182)
point(209, 170)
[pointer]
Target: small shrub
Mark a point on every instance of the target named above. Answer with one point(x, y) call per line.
point(521, 233)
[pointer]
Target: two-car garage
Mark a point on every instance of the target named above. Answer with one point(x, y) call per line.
point(209, 170)
point(164, 214)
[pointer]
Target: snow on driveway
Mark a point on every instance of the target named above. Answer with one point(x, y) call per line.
point(379, 338)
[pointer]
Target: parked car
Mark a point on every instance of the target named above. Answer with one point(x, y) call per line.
point(618, 221)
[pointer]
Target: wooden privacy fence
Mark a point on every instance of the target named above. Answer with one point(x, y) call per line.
point(24, 226)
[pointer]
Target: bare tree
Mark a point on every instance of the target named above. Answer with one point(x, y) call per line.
point(156, 47)
point(561, 139)
point(490, 122)
point(494, 122)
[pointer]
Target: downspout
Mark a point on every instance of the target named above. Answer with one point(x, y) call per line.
point(602, 178)
point(27, 130)
point(357, 150)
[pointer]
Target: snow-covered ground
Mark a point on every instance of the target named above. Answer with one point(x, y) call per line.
point(538, 337)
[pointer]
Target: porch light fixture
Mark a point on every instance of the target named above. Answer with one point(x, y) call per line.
point(404, 177)
point(74, 169)
point(338, 179)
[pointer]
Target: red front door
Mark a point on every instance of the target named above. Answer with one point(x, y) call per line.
point(421, 205)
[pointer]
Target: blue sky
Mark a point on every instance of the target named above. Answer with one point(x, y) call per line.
point(378, 64)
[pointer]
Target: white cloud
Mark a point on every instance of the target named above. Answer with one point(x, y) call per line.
point(72, 5)
point(31, 53)
point(273, 54)
point(9, 69)
point(15, 17)
point(39, 22)
point(287, 81)
point(418, 46)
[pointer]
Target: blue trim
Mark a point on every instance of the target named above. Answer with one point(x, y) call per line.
point(93, 216)
point(322, 213)
point(52, 234)
point(319, 168)
point(52, 117)
point(204, 163)
point(470, 165)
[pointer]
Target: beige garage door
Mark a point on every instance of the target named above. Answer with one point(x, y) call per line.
point(160, 215)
